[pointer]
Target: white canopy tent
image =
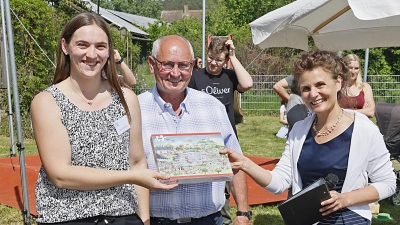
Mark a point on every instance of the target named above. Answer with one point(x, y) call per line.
point(333, 24)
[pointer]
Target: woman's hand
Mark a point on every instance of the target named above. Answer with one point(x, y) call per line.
point(237, 160)
point(151, 180)
point(335, 203)
point(117, 56)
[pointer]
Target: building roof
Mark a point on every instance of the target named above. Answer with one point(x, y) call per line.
point(174, 15)
point(141, 21)
point(117, 21)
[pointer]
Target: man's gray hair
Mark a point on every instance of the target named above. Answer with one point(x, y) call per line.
point(156, 46)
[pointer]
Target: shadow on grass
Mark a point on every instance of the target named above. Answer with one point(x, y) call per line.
point(267, 220)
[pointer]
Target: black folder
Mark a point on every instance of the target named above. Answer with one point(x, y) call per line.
point(303, 207)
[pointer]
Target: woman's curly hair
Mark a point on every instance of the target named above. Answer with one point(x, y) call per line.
point(326, 60)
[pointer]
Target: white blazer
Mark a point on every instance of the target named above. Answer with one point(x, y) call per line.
point(368, 158)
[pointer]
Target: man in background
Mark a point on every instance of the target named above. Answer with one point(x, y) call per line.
point(296, 110)
point(222, 83)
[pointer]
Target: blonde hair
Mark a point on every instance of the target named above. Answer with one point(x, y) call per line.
point(348, 59)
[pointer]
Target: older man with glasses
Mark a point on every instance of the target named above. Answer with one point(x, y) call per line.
point(172, 107)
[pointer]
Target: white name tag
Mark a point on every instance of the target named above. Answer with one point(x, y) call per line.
point(122, 125)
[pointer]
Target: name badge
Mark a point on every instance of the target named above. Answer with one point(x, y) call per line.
point(122, 125)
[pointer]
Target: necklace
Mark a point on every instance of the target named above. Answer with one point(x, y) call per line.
point(85, 99)
point(329, 130)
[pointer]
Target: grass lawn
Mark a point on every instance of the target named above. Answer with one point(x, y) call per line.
point(257, 137)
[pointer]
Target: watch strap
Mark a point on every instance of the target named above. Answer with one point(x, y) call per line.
point(248, 214)
point(119, 61)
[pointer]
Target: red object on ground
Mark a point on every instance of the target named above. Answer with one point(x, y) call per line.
point(11, 188)
point(10, 181)
point(256, 194)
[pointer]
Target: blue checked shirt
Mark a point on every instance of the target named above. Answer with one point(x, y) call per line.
point(200, 113)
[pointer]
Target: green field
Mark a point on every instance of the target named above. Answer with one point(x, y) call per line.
point(257, 137)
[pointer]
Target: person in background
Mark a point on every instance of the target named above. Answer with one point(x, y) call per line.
point(126, 78)
point(283, 131)
point(171, 107)
point(296, 109)
point(359, 93)
point(88, 133)
point(333, 140)
point(221, 83)
point(198, 63)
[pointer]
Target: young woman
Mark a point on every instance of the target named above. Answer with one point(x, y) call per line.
point(88, 133)
point(358, 93)
point(198, 63)
point(333, 140)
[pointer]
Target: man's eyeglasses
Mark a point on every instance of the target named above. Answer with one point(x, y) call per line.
point(169, 65)
point(218, 61)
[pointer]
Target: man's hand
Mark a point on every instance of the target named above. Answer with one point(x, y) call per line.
point(231, 47)
point(239, 220)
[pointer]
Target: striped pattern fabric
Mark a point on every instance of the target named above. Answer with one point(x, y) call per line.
point(344, 217)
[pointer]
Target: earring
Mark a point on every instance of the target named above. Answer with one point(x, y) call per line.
point(65, 53)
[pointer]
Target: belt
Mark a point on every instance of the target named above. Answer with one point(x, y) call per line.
point(182, 220)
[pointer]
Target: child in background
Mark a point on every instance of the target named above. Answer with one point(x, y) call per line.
point(283, 131)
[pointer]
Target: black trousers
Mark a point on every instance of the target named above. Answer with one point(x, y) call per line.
point(133, 219)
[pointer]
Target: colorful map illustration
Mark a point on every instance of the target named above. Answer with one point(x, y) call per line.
point(190, 155)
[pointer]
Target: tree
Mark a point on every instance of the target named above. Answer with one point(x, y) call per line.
point(34, 46)
point(178, 4)
point(188, 27)
point(147, 8)
point(245, 11)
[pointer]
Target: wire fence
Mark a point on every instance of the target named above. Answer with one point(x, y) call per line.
point(261, 100)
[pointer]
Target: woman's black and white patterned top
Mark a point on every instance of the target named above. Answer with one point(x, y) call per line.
point(94, 143)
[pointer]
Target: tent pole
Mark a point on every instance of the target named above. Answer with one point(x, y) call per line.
point(20, 145)
point(366, 64)
point(203, 56)
point(7, 73)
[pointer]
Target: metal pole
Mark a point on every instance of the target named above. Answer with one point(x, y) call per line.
point(366, 64)
point(20, 145)
point(7, 72)
point(203, 56)
point(98, 6)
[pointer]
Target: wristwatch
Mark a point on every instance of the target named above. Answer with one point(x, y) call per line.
point(120, 61)
point(248, 214)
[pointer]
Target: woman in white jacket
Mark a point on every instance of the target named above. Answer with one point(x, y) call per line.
point(333, 140)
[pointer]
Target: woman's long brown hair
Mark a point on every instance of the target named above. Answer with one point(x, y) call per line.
point(63, 68)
